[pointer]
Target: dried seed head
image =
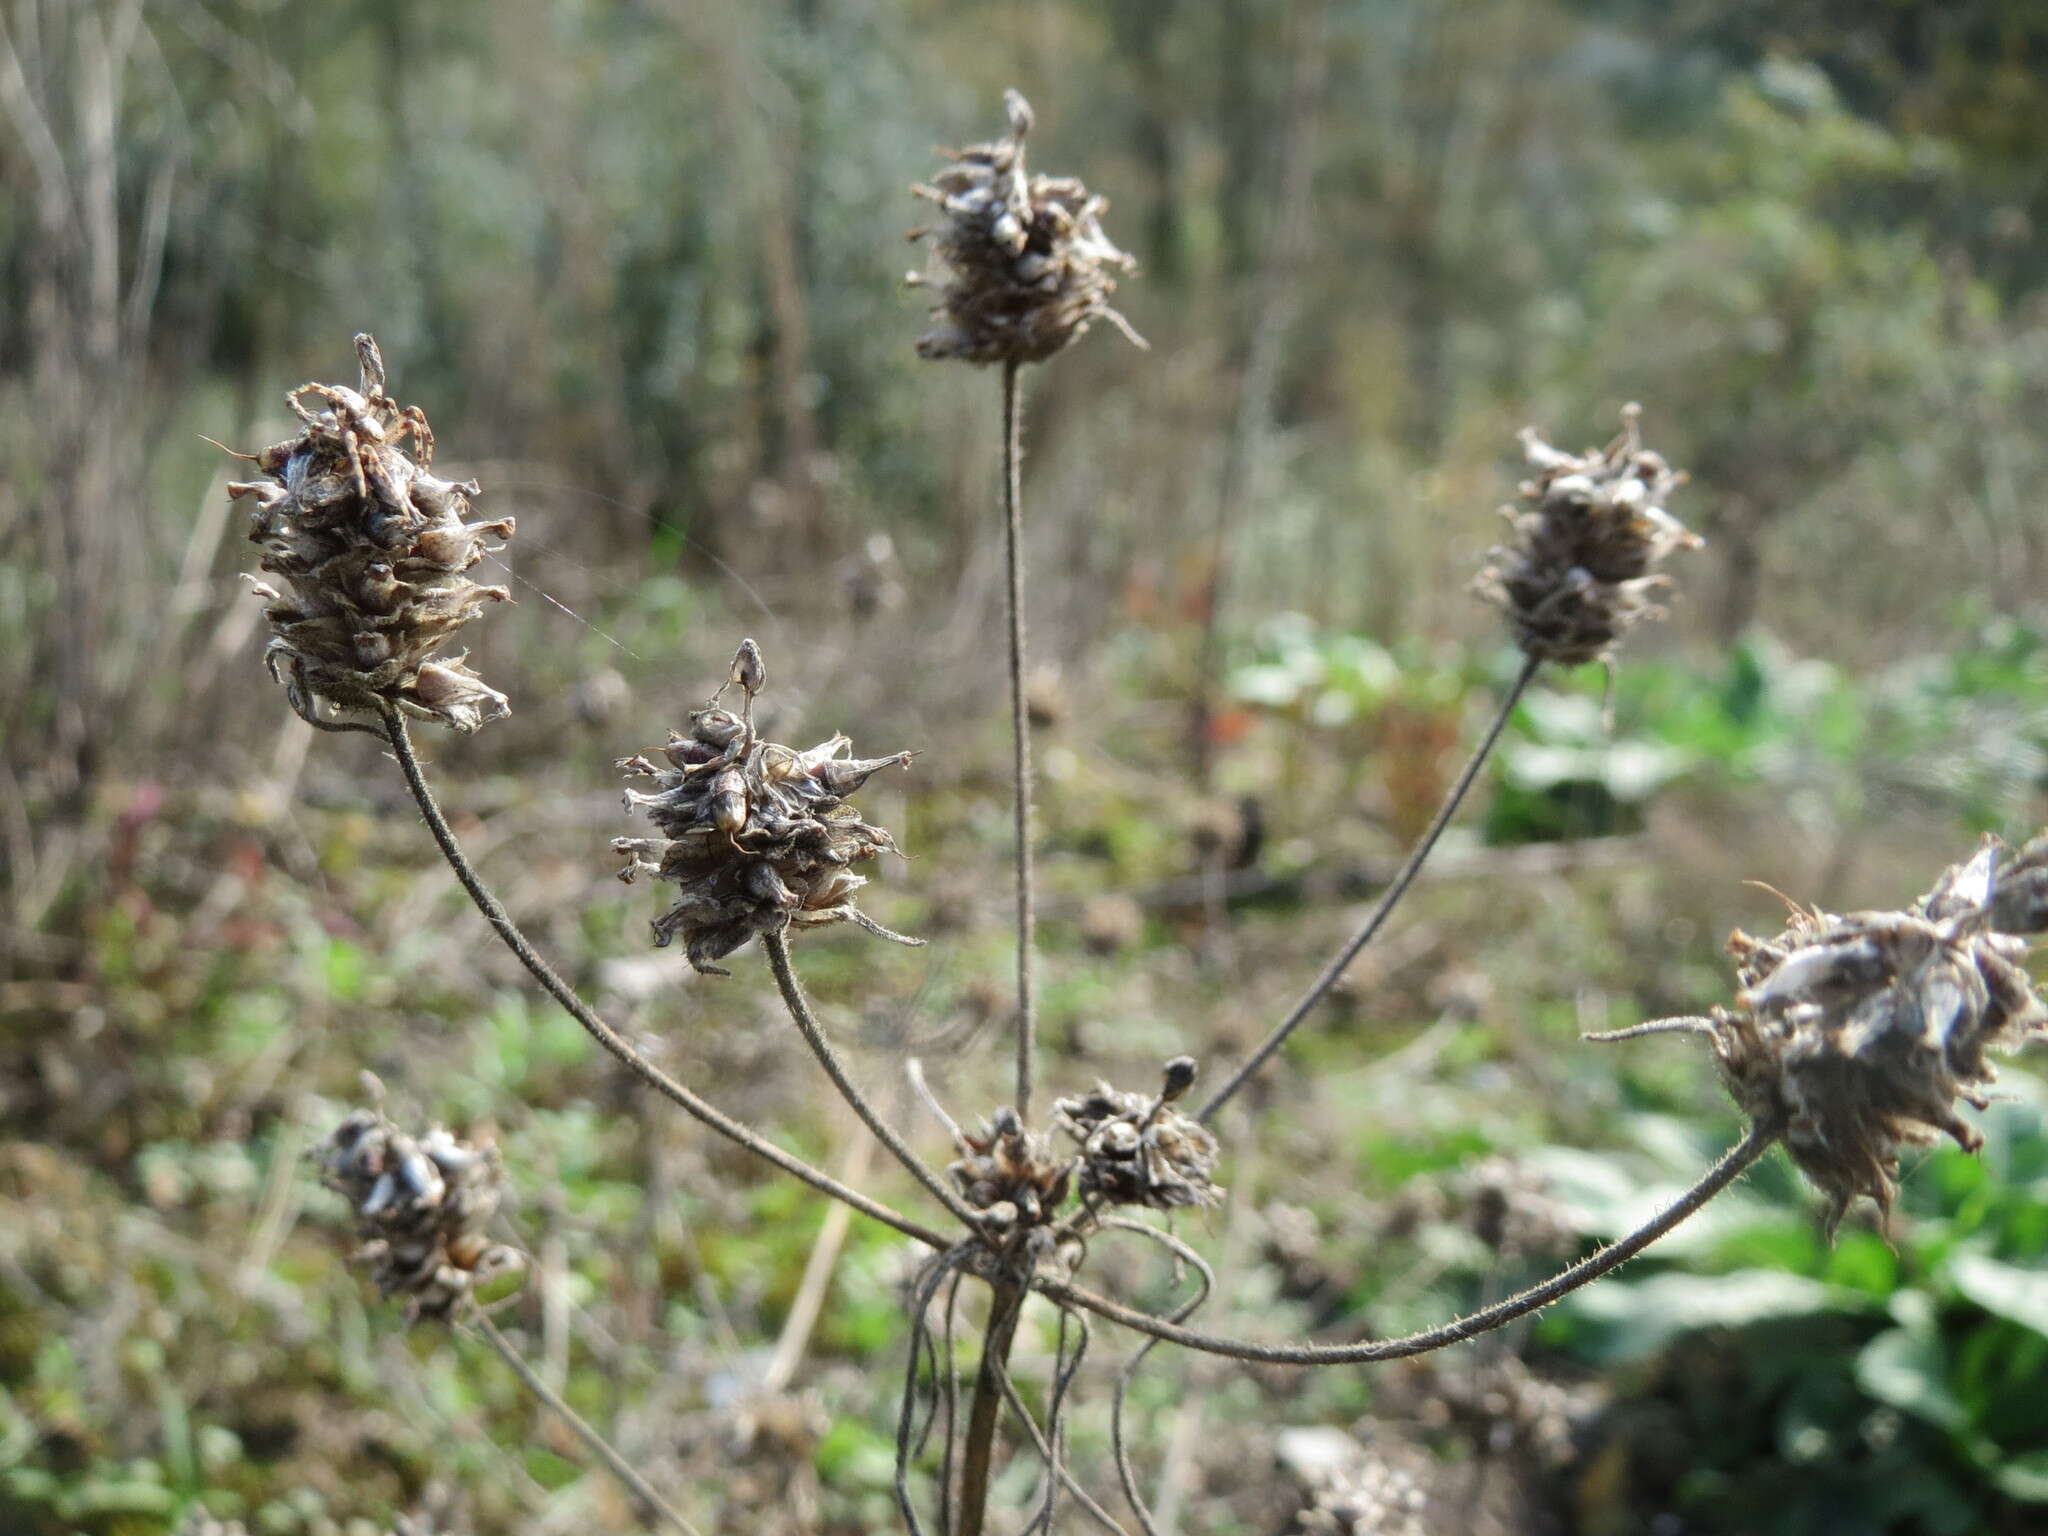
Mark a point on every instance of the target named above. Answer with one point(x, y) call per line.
point(1860, 1034)
point(1138, 1150)
point(1028, 266)
point(375, 551)
point(758, 836)
point(421, 1206)
point(1010, 1175)
point(1593, 529)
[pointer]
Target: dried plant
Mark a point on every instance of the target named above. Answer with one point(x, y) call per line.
point(421, 1206)
point(1861, 1034)
point(1593, 531)
point(1029, 268)
point(1849, 1035)
point(759, 837)
point(375, 550)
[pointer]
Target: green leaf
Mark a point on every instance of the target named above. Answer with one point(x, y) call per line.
point(1642, 1318)
point(1907, 1369)
point(2018, 1295)
point(2024, 1477)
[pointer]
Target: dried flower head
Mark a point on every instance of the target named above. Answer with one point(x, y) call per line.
point(374, 550)
point(1588, 540)
point(421, 1206)
point(1859, 1034)
point(1009, 1174)
point(1136, 1149)
point(1029, 268)
point(758, 836)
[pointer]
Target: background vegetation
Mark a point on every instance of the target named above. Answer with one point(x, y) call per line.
point(641, 264)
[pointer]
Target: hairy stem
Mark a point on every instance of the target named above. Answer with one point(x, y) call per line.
point(1006, 1305)
point(1732, 1165)
point(1020, 729)
point(648, 1073)
point(777, 946)
point(636, 1485)
point(1389, 898)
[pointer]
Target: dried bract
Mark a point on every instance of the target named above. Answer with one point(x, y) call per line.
point(1028, 266)
point(421, 1206)
point(374, 550)
point(1136, 1149)
point(758, 836)
point(1588, 540)
point(1010, 1175)
point(1859, 1034)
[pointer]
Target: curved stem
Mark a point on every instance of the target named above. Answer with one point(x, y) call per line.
point(1180, 1314)
point(777, 946)
point(1022, 1413)
point(1389, 898)
point(1731, 1166)
point(648, 1073)
point(1020, 730)
point(1006, 1305)
point(616, 1464)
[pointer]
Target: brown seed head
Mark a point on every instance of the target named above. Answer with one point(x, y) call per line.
point(1010, 1175)
point(1860, 1034)
point(1028, 266)
point(374, 550)
point(1592, 530)
point(1138, 1150)
point(757, 836)
point(421, 1206)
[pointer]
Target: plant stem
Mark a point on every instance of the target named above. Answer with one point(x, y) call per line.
point(648, 1073)
point(1389, 898)
point(777, 946)
point(1734, 1162)
point(1020, 729)
point(1006, 1304)
point(617, 1465)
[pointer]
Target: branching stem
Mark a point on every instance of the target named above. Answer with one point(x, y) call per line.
point(1389, 898)
point(494, 913)
point(1732, 1165)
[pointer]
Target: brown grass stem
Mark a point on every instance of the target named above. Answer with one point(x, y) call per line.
point(651, 1502)
point(1020, 731)
point(1389, 898)
point(648, 1073)
point(1732, 1165)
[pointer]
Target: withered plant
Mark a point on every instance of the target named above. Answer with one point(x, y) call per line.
point(1845, 1037)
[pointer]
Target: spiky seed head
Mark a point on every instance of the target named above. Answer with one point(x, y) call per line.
point(758, 836)
point(1027, 266)
point(421, 1206)
point(1588, 539)
point(373, 550)
point(1862, 1034)
point(1138, 1150)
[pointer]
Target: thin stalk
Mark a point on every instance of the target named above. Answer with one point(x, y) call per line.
point(777, 946)
point(648, 1073)
point(653, 1503)
point(1734, 1162)
point(1389, 898)
point(1020, 731)
point(1006, 1305)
